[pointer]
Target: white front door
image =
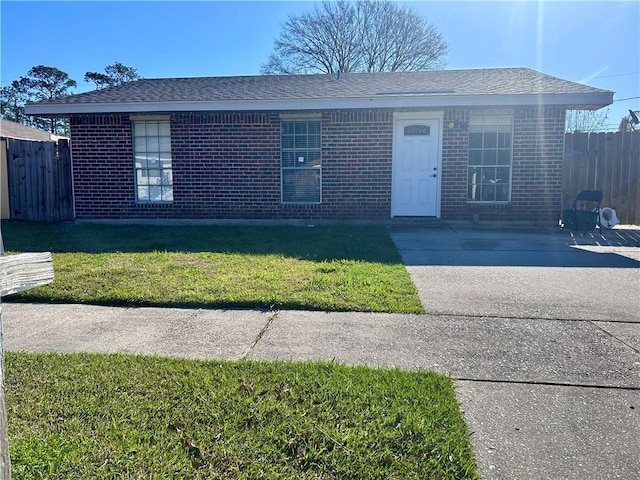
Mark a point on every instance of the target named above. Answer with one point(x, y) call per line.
point(415, 187)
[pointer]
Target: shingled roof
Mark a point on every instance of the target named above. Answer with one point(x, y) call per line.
point(437, 88)
point(9, 129)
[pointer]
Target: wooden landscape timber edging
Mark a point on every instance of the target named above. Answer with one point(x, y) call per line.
point(17, 273)
point(609, 162)
point(24, 272)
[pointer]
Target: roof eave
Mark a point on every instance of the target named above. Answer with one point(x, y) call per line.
point(589, 101)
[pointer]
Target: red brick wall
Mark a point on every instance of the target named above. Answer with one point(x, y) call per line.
point(356, 163)
point(102, 162)
point(227, 166)
point(538, 155)
point(455, 150)
point(536, 179)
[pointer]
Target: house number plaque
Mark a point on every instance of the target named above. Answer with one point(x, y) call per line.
point(417, 130)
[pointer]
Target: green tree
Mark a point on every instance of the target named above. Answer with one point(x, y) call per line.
point(360, 36)
point(115, 74)
point(40, 83)
point(12, 100)
point(100, 80)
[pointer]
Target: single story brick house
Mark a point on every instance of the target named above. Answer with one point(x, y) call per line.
point(448, 144)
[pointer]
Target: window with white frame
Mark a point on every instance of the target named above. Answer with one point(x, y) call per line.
point(301, 160)
point(152, 161)
point(490, 152)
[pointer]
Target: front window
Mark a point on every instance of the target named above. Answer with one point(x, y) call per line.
point(152, 154)
point(490, 146)
point(301, 161)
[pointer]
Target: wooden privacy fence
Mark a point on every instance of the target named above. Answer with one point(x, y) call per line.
point(39, 180)
point(609, 162)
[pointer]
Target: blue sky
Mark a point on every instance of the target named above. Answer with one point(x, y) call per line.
point(597, 43)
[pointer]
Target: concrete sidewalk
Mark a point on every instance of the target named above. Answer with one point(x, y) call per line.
point(543, 398)
point(541, 333)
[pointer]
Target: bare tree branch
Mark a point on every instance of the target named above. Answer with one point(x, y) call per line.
point(365, 35)
point(585, 120)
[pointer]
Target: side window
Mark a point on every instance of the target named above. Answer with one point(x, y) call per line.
point(301, 161)
point(152, 161)
point(490, 152)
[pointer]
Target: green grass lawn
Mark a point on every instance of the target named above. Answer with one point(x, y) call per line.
point(333, 268)
point(122, 416)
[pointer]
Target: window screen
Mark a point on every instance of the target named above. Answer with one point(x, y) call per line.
point(301, 161)
point(152, 157)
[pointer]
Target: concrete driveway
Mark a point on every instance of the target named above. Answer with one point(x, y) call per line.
point(543, 334)
point(524, 273)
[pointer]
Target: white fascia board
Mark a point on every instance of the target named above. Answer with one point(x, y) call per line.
point(589, 100)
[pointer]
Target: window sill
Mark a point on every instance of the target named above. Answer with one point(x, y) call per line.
point(488, 203)
point(153, 204)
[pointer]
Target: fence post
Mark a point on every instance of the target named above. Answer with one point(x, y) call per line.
point(5, 463)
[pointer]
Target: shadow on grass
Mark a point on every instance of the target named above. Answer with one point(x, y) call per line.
point(32, 296)
point(138, 266)
point(360, 243)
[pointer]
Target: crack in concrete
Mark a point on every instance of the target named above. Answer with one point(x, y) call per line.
point(547, 383)
point(518, 317)
point(603, 330)
point(247, 353)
